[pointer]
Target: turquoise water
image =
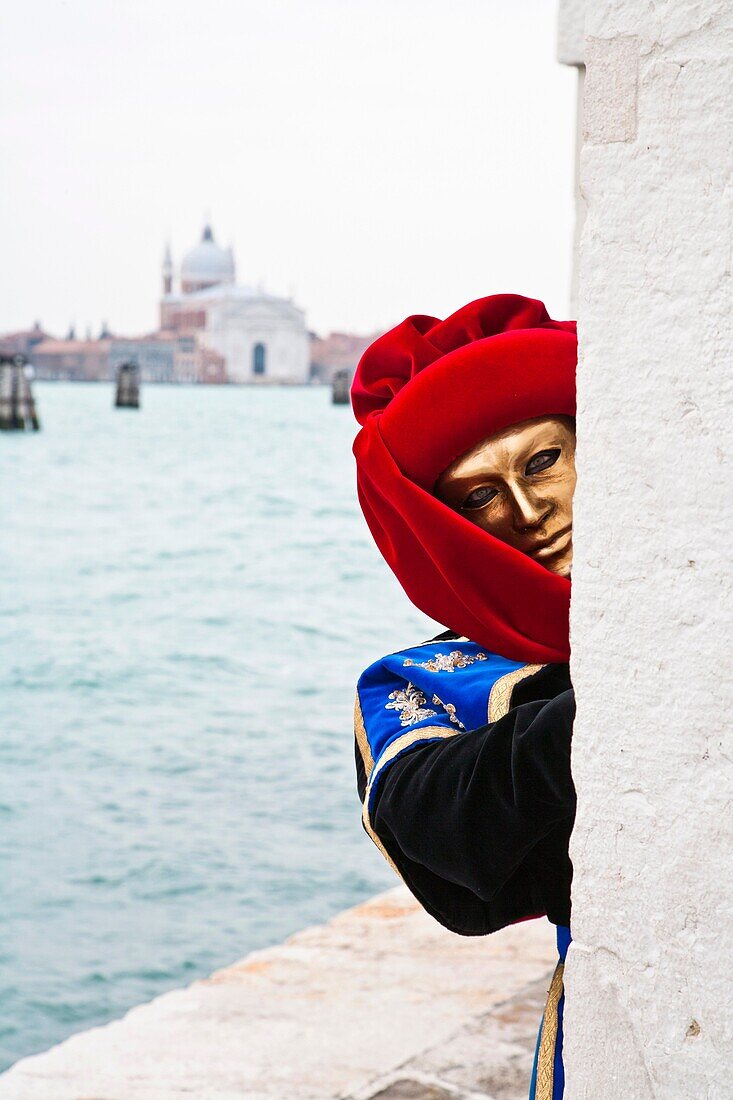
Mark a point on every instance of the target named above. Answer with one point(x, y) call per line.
point(189, 593)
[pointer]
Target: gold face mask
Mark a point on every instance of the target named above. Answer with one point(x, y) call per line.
point(518, 485)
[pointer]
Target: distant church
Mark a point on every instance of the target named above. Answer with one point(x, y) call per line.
point(261, 338)
point(211, 331)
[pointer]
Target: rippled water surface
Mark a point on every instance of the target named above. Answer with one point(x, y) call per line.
point(189, 593)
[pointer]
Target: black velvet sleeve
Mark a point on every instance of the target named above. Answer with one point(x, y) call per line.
point(478, 825)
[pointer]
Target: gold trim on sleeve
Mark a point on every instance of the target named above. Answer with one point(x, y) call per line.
point(548, 1038)
point(361, 738)
point(500, 696)
point(398, 745)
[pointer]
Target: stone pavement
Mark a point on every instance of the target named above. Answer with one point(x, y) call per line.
point(489, 1058)
point(380, 1003)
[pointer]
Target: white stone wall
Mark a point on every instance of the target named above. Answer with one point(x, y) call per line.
point(650, 976)
point(571, 32)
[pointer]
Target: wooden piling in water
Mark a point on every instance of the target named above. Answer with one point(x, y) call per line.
point(341, 387)
point(17, 407)
point(127, 394)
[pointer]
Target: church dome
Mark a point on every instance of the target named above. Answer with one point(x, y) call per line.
point(207, 264)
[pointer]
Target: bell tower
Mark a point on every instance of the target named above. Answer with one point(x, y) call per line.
point(167, 271)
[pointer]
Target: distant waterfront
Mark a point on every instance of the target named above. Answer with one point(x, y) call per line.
point(190, 594)
point(261, 383)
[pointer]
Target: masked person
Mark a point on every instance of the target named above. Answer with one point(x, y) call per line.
point(465, 472)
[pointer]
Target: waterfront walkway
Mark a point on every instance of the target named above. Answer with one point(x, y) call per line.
point(380, 1002)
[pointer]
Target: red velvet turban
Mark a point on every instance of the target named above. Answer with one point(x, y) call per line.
point(426, 392)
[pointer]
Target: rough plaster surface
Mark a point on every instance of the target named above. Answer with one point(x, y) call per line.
point(609, 95)
point(571, 32)
point(650, 976)
point(380, 990)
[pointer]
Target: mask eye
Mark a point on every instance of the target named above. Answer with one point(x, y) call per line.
point(479, 498)
point(542, 461)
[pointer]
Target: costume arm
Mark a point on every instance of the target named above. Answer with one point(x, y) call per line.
point(478, 824)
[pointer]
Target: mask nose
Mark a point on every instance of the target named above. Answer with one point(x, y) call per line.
point(529, 510)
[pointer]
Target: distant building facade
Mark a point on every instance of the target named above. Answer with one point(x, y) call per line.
point(22, 342)
point(339, 351)
point(262, 338)
point(71, 360)
point(161, 357)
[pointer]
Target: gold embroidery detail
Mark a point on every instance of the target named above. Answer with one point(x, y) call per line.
point(397, 746)
point(361, 738)
point(548, 1038)
point(500, 696)
point(410, 702)
point(446, 662)
point(450, 709)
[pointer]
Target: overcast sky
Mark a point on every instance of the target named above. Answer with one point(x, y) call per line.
point(373, 157)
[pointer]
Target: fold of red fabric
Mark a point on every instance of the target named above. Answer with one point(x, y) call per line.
point(426, 392)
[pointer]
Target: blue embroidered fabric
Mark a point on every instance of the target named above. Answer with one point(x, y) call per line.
point(445, 684)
